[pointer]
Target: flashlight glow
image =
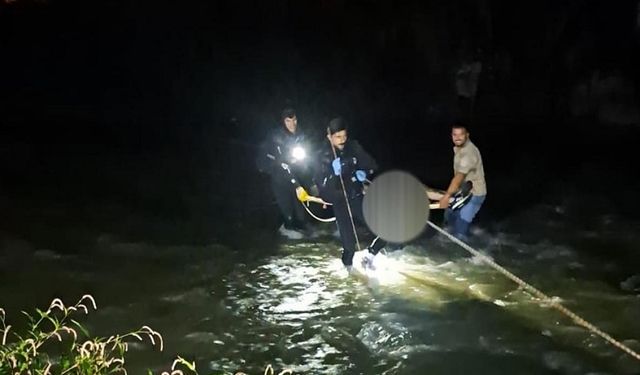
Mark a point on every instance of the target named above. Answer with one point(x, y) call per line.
point(298, 153)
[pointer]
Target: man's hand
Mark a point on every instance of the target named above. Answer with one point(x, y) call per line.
point(444, 201)
point(302, 194)
point(337, 166)
point(456, 181)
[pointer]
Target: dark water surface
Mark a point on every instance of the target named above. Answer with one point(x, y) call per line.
point(192, 252)
point(292, 305)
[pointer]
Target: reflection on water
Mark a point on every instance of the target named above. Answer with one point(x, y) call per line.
point(427, 307)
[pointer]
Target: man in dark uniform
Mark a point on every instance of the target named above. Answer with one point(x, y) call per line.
point(282, 156)
point(346, 159)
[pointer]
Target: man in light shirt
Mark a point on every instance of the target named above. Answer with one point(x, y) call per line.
point(467, 166)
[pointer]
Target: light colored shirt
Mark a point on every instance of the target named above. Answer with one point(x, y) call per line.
point(468, 161)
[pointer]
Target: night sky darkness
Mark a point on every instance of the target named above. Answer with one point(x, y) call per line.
point(142, 118)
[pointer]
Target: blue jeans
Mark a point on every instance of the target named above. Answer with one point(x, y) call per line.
point(460, 220)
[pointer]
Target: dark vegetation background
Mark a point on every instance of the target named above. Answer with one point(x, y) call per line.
point(141, 119)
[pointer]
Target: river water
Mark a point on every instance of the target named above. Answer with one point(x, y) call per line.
point(431, 308)
point(192, 253)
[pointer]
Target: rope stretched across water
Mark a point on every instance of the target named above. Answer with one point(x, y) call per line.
point(551, 301)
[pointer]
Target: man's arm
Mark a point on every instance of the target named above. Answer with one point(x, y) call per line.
point(467, 163)
point(455, 184)
point(270, 158)
point(434, 194)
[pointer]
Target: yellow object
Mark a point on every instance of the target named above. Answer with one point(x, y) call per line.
point(302, 194)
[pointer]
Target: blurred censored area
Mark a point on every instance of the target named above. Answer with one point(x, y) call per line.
point(395, 206)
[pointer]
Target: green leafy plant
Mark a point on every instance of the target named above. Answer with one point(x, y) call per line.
point(74, 352)
point(56, 343)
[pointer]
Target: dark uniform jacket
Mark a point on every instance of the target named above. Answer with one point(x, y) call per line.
point(277, 149)
point(352, 158)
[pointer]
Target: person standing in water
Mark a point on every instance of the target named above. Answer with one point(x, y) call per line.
point(346, 160)
point(467, 167)
point(282, 156)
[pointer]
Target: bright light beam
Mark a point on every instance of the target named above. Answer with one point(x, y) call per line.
point(298, 153)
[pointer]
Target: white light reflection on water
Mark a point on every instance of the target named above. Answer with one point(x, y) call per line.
point(409, 309)
point(299, 309)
